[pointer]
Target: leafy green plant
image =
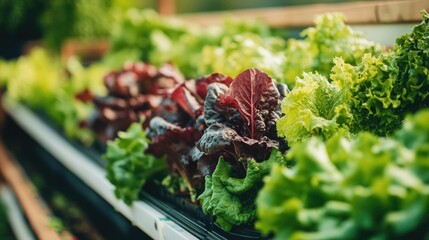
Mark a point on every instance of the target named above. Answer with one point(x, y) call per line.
point(128, 166)
point(367, 187)
point(34, 79)
point(241, 140)
point(315, 107)
point(374, 95)
point(370, 97)
point(243, 51)
point(232, 199)
point(329, 38)
point(68, 109)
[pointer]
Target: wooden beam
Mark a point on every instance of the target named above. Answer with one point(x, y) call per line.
point(369, 12)
point(37, 214)
point(166, 7)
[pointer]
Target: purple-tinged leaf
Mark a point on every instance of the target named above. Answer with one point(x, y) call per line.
point(184, 98)
point(203, 83)
point(178, 145)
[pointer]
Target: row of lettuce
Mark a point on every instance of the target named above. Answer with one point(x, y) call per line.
point(305, 137)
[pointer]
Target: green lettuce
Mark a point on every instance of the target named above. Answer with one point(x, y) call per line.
point(298, 59)
point(137, 33)
point(412, 60)
point(369, 87)
point(242, 51)
point(329, 38)
point(415, 136)
point(145, 35)
point(232, 199)
point(315, 107)
point(34, 79)
point(186, 51)
point(68, 111)
point(373, 95)
point(365, 188)
point(128, 166)
point(384, 89)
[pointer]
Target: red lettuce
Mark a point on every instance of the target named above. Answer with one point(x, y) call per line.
point(133, 93)
point(255, 95)
point(241, 119)
point(177, 144)
point(203, 83)
point(176, 125)
point(241, 141)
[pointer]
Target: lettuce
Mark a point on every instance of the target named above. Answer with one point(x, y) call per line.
point(412, 60)
point(166, 49)
point(369, 86)
point(146, 36)
point(35, 80)
point(368, 187)
point(374, 95)
point(232, 199)
point(177, 144)
point(138, 32)
point(241, 119)
point(329, 38)
point(315, 107)
point(239, 52)
point(384, 89)
point(241, 141)
point(132, 92)
point(73, 100)
point(128, 166)
point(175, 128)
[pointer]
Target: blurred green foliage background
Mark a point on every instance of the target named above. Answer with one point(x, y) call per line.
point(56, 20)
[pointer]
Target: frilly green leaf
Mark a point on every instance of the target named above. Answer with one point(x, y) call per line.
point(230, 199)
point(365, 188)
point(313, 108)
point(128, 167)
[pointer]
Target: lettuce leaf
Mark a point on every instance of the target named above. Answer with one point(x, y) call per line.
point(365, 188)
point(243, 51)
point(232, 199)
point(35, 80)
point(241, 135)
point(176, 126)
point(329, 38)
point(370, 88)
point(203, 83)
point(374, 95)
point(412, 60)
point(384, 89)
point(138, 33)
point(241, 119)
point(177, 144)
point(415, 136)
point(315, 107)
point(128, 166)
point(255, 96)
point(134, 91)
point(74, 99)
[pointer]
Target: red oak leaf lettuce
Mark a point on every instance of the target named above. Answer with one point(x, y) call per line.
point(241, 119)
point(133, 93)
point(242, 133)
point(255, 96)
point(203, 83)
point(176, 125)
